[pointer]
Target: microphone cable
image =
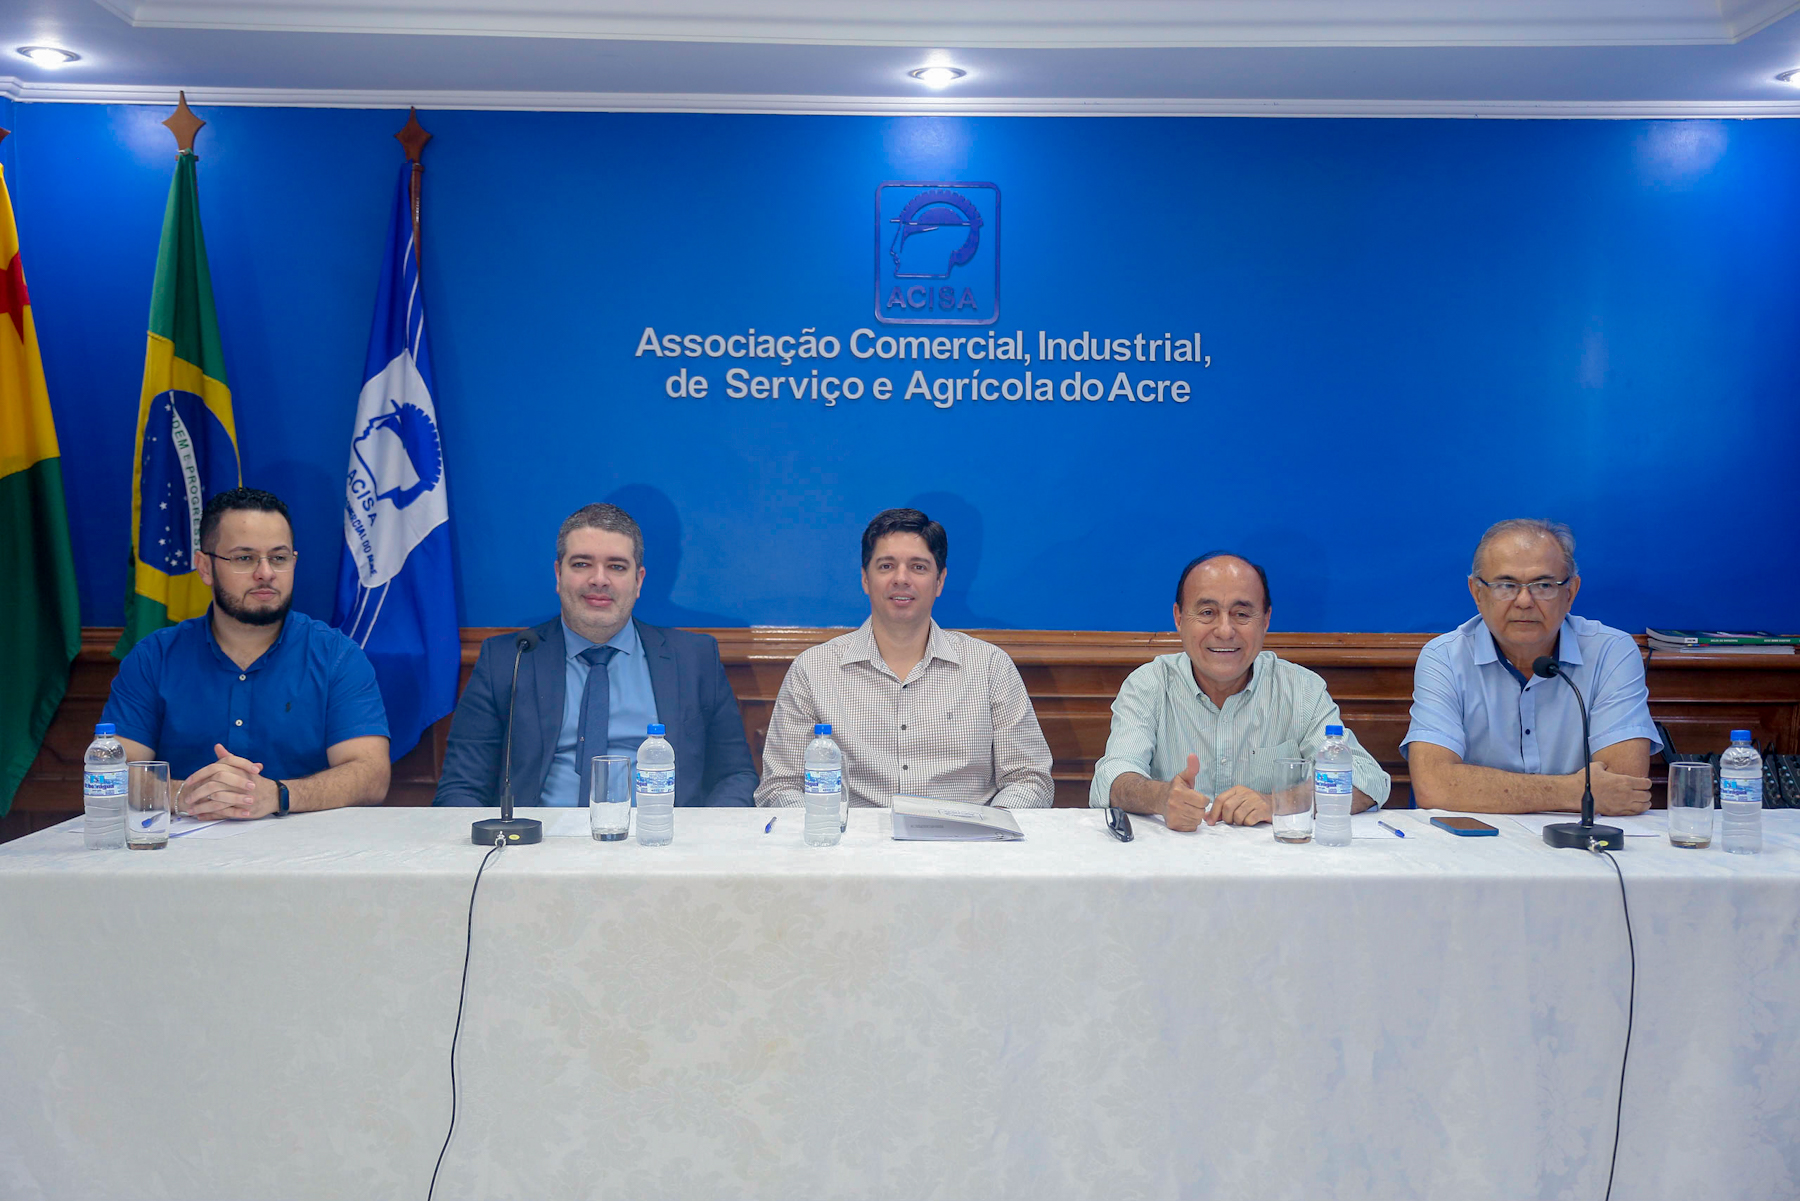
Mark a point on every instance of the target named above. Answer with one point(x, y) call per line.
point(1630, 1015)
point(461, 997)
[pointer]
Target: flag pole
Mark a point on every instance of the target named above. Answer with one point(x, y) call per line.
point(396, 593)
point(413, 137)
point(182, 343)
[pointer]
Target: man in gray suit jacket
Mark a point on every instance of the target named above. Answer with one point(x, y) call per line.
point(590, 682)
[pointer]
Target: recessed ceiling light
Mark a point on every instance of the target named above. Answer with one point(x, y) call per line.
point(937, 76)
point(49, 56)
point(1790, 77)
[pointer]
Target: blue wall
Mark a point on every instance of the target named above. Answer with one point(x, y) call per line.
point(1416, 327)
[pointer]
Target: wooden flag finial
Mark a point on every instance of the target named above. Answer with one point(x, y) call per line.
point(3, 132)
point(184, 125)
point(413, 136)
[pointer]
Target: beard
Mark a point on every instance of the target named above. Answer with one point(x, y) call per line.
point(251, 617)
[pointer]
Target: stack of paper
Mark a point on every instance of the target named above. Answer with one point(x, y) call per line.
point(1638, 825)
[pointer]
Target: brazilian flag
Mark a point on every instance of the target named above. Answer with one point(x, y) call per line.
point(186, 437)
point(40, 620)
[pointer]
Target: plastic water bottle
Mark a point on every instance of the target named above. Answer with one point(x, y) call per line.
point(1740, 795)
point(654, 784)
point(103, 790)
point(1331, 790)
point(824, 789)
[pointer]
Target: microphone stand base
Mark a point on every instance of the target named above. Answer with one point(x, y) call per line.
point(1577, 837)
point(514, 831)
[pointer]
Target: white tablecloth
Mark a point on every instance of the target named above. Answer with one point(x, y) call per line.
point(738, 1015)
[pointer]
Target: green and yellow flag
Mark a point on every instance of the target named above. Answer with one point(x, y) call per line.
point(40, 619)
point(186, 437)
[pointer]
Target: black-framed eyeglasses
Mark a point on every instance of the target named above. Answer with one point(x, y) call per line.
point(1118, 823)
point(280, 562)
point(1506, 590)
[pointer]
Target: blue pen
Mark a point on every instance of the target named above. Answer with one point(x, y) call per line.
point(771, 824)
point(1390, 829)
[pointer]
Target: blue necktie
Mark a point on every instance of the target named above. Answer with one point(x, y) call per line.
point(596, 716)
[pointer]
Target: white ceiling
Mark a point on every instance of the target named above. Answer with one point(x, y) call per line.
point(1329, 57)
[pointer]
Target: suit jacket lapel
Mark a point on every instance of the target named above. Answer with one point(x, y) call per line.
point(664, 683)
point(536, 745)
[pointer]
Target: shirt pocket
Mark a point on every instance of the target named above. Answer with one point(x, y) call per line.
point(1260, 772)
point(960, 730)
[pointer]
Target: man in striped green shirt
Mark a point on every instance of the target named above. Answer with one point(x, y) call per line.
point(1196, 734)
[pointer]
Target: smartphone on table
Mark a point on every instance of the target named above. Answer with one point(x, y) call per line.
point(1465, 827)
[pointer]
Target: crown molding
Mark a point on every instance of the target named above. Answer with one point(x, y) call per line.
point(1002, 23)
point(1747, 20)
point(32, 91)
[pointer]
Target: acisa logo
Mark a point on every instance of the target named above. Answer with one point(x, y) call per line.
point(937, 253)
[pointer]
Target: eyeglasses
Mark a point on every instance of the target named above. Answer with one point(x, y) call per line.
point(1505, 590)
point(281, 562)
point(1118, 823)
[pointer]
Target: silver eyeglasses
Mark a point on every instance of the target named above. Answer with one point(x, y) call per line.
point(1506, 590)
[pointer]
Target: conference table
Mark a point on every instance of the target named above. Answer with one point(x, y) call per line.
point(736, 1015)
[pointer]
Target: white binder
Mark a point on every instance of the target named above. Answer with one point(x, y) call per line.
point(918, 818)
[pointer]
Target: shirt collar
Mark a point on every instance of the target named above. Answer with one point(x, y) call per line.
point(1486, 650)
point(1259, 667)
point(862, 644)
point(206, 623)
point(938, 646)
point(863, 648)
point(1257, 671)
point(626, 641)
point(1568, 644)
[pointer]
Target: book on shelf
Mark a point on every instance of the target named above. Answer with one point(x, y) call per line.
point(1723, 642)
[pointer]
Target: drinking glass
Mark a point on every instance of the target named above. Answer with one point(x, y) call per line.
point(1690, 804)
point(609, 806)
point(1291, 801)
point(146, 805)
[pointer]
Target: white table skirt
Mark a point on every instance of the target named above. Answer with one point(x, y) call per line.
point(739, 1015)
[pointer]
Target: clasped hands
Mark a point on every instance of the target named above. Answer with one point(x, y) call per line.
point(1186, 809)
point(234, 787)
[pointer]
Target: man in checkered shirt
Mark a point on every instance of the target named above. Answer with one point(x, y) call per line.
point(918, 710)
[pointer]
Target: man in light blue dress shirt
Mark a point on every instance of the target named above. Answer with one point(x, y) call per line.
point(1488, 736)
point(632, 709)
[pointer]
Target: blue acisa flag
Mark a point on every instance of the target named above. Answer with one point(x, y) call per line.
point(396, 593)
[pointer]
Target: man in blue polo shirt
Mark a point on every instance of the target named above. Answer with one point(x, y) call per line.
point(257, 709)
point(1487, 735)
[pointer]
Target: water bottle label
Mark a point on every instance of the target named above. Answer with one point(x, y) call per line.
point(1749, 791)
point(654, 782)
point(104, 783)
point(824, 781)
point(1332, 782)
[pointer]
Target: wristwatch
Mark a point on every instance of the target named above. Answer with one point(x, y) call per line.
point(281, 799)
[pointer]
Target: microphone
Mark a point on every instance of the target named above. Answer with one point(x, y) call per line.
point(507, 828)
point(1583, 835)
point(523, 642)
